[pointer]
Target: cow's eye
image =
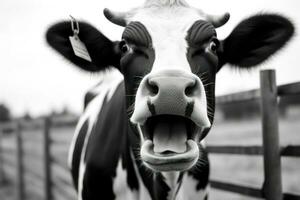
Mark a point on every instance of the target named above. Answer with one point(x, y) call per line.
point(140, 52)
point(213, 46)
point(123, 46)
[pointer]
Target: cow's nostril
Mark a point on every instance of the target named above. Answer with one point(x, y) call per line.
point(190, 90)
point(152, 87)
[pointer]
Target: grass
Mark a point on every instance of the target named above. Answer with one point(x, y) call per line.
point(248, 170)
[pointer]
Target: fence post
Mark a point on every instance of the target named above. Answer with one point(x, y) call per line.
point(2, 178)
point(47, 159)
point(20, 163)
point(272, 162)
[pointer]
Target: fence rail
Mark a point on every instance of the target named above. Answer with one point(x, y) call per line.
point(271, 149)
point(238, 150)
point(237, 188)
point(247, 190)
point(282, 90)
point(253, 150)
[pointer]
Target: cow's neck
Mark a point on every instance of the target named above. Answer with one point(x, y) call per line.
point(174, 181)
point(160, 186)
point(173, 186)
point(164, 185)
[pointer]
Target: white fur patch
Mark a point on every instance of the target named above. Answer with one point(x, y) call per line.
point(143, 192)
point(171, 180)
point(168, 27)
point(120, 186)
point(188, 190)
point(121, 189)
point(150, 3)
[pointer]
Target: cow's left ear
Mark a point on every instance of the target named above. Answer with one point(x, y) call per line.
point(255, 39)
point(102, 51)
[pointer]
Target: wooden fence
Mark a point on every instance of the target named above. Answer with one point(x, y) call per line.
point(54, 181)
point(271, 149)
point(34, 158)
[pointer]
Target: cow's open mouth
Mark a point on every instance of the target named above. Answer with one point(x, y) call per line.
point(170, 143)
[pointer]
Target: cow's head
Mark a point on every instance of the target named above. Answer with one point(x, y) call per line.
point(169, 55)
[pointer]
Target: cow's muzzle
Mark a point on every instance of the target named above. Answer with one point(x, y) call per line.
point(171, 113)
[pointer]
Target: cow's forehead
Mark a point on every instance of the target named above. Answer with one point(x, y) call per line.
point(168, 28)
point(167, 20)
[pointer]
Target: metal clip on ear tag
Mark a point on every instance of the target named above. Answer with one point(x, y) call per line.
point(78, 46)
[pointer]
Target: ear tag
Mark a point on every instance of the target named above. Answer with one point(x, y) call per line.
point(78, 46)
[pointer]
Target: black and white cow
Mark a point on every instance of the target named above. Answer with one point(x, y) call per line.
point(140, 136)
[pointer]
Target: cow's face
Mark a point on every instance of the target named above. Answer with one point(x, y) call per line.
point(169, 55)
point(169, 62)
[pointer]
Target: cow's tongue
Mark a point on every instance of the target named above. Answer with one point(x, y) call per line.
point(169, 137)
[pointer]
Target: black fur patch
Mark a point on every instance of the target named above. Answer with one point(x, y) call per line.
point(105, 147)
point(136, 33)
point(151, 107)
point(189, 109)
point(201, 173)
point(200, 32)
point(206, 197)
point(77, 153)
point(255, 39)
point(161, 189)
point(100, 48)
point(128, 164)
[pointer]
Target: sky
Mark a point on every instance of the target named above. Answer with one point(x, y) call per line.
point(35, 79)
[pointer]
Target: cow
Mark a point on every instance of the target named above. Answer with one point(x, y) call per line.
point(141, 133)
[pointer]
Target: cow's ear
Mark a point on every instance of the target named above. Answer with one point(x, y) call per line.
point(102, 51)
point(255, 39)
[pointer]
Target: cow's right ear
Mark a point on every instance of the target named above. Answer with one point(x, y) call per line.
point(103, 52)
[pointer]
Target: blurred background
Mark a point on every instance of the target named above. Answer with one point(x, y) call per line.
point(36, 83)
